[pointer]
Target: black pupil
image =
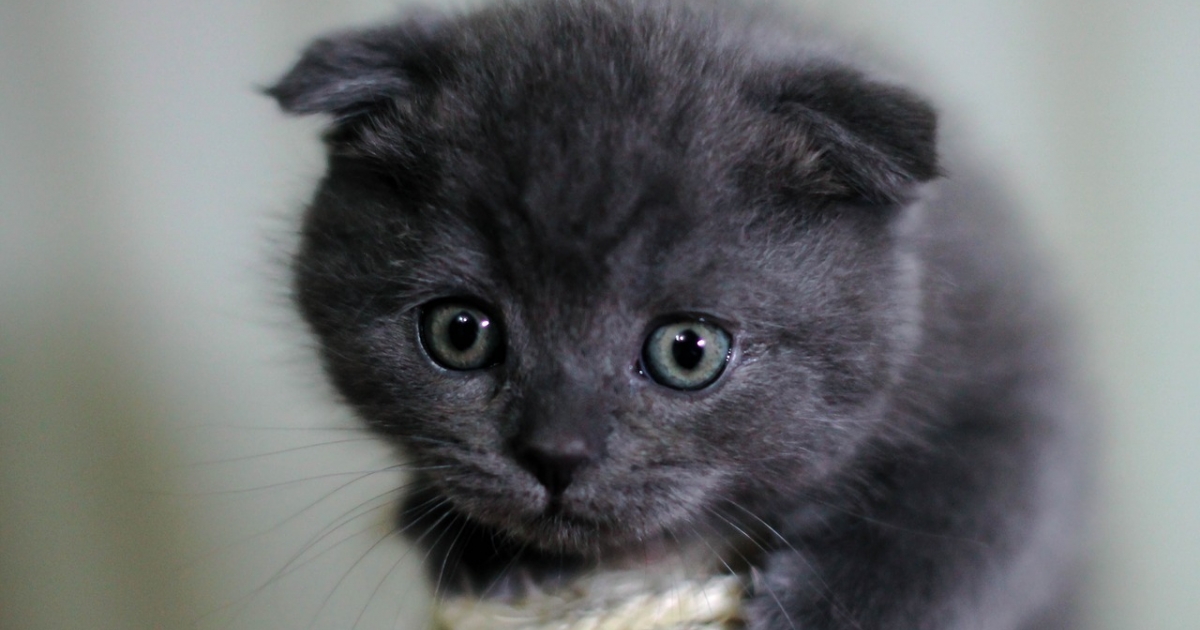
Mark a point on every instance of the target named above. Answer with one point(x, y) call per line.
point(463, 331)
point(688, 349)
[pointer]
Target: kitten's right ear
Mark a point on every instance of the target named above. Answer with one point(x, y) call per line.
point(352, 73)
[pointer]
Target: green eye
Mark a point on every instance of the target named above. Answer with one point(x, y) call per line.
point(687, 354)
point(459, 336)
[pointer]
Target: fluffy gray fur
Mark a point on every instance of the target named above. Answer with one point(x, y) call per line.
point(892, 443)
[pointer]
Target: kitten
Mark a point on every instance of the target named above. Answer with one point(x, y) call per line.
point(628, 279)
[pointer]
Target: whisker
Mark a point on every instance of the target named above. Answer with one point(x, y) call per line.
point(434, 441)
point(212, 426)
point(394, 531)
point(360, 474)
point(762, 522)
point(438, 588)
point(341, 580)
point(240, 604)
point(346, 521)
point(900, 528)
point(770, 591)
point(221, 549)
point(458, 557)
point(682, 573)
point(512, 562)
point(355, 513)
point(294, 564)
point(293, 449)
point(429, 549)
point(391, 571)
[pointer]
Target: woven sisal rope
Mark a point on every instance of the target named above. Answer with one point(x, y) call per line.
point(624, 600)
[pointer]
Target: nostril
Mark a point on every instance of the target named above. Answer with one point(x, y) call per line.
point(555, 465)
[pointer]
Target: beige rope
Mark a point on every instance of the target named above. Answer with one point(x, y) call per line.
point(624, 600)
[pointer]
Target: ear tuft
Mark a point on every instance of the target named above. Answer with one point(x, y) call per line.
point(871, 141)
point(352, 73)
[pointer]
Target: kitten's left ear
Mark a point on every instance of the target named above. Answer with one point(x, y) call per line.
point(858, 139)
point(355, 72)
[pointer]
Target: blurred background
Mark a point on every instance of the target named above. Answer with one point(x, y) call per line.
point(169, 455)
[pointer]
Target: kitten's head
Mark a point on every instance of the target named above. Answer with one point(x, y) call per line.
point(600, 268)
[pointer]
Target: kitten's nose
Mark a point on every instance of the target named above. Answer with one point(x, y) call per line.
point(554, 461)
point(561, 431)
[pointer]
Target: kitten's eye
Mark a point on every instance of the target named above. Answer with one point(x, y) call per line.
point(459, 336)
point(687, 354)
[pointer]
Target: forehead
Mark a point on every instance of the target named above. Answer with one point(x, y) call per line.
point(595, 166)
point(587, 114)
point(568, 251)
point(579, 238)
point(585, 209)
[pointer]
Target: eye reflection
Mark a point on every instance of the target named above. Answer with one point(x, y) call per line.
point(459, 336)
point(688, 354)
point(688, 349)
point(463, 331)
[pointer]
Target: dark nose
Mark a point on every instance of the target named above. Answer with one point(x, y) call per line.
point(561, 431)
point(554, 460)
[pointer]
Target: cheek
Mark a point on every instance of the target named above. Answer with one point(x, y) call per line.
point(776, 415)
point(400, 391)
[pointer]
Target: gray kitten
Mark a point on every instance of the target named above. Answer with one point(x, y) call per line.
point(624, 279)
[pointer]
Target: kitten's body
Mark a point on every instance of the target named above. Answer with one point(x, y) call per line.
point(891, 442)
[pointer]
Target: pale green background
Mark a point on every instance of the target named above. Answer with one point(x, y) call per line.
point(146, 191)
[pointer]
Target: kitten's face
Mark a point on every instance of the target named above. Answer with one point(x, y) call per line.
point(589, 287)
point(580, 309)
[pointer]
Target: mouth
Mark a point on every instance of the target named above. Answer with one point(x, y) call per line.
point(588, 519)
point(560, 529)
point(561, 526)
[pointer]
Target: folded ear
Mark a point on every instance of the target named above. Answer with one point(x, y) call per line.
point(354, 72)
point(861, 140)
